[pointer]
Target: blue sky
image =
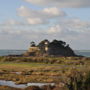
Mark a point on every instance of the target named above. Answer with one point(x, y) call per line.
point(22, 21)
point(8, 10)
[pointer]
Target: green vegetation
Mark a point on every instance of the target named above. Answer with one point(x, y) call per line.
point(47, 48)
point(73, 72)
point(50, 60)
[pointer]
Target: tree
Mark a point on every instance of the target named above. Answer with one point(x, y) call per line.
point(42, 45)
point(56, 43)
point(32, 44)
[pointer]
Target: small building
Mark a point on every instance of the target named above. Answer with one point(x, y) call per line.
point(33, 49)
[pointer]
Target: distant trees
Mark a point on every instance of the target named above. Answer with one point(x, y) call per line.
point(32, 44)
point(60, 48)
point(56, 43)
point(56, 47)
point(42, 44)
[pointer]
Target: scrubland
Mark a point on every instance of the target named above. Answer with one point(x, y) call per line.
point(70, 73)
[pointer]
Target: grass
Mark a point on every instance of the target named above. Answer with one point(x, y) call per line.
point(22, 64)
point(35, 69)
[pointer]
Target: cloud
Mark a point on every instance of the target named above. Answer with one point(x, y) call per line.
point(73, 31)
point(53, 11)
point(9, 31)
point(46, 12)
point(24, 11)
point(39, 16)
point(61, 3)
point(76, 25)
point(55, 29)
point(34, 21)
point(62, 28)
point(45, 23)
point(10, 22)
point(69, 28)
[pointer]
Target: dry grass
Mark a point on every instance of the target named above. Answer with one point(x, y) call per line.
point(35, 71)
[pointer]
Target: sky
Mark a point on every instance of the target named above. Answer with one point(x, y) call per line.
point(23, 21)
